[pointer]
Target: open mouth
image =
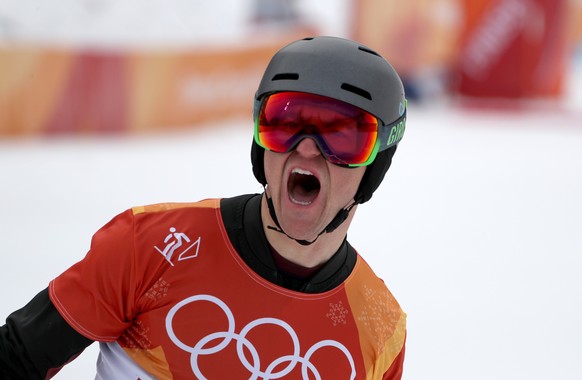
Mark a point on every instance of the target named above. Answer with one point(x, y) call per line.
point(303, 187)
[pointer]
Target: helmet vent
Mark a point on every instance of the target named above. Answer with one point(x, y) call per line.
point(368, 50)
point(286, 76)
point(356, 90)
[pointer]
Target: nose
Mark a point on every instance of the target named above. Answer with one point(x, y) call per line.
point(308, 148)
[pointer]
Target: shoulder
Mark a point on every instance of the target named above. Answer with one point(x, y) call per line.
point(146, 225)
point(184, 213)
point(366, 282)
point(373, 302)
point(377, 311)
point(371, 289)
point(211, 203)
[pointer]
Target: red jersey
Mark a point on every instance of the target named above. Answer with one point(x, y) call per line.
point(169, 297)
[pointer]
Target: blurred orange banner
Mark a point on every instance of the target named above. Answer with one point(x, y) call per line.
point(48, 91)
point(474, 48)
point(413, 35)
point(513, 48)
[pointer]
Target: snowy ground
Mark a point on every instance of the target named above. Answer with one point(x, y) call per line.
point(477, 229)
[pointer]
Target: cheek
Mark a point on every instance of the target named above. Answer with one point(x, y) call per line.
point(273, 165)
point(348, 180)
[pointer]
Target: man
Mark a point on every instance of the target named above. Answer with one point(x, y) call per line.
point(261, 286)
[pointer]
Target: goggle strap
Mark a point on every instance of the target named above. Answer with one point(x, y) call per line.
point(341, 217)
point(391, 134)
point(279, 229)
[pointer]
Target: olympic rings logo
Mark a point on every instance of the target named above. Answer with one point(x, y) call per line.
point(203, 347)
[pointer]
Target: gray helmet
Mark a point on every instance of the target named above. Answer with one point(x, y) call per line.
point(340, 69)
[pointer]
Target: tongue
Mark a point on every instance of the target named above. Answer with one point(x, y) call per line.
point(303, 189)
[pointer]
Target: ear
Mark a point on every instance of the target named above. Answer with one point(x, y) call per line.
point(374, 175)
point(257, 160)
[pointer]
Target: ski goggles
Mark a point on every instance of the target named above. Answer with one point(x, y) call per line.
point(345, 134)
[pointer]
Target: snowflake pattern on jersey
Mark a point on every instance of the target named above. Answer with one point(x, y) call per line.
point(159, 290)
point(337, 313)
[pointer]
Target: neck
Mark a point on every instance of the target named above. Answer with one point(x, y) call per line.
point(314, 254)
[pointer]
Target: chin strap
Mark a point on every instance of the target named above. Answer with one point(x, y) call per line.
point(341, 216)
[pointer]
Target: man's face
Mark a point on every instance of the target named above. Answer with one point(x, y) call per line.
point(307, 190)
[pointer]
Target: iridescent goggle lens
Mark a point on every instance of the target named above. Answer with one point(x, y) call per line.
point(346, 135)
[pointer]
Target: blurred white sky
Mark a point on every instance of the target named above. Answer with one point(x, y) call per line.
point(151, 22)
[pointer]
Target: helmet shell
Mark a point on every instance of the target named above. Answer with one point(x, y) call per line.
point(340, 69)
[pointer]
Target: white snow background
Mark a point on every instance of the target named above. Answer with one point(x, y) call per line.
point(477, 228)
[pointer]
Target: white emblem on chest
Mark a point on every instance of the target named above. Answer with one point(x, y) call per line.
point(254, 366)
point(179, 243)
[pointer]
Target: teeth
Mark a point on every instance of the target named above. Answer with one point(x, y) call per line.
point(301, 171)
point(302, 203)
